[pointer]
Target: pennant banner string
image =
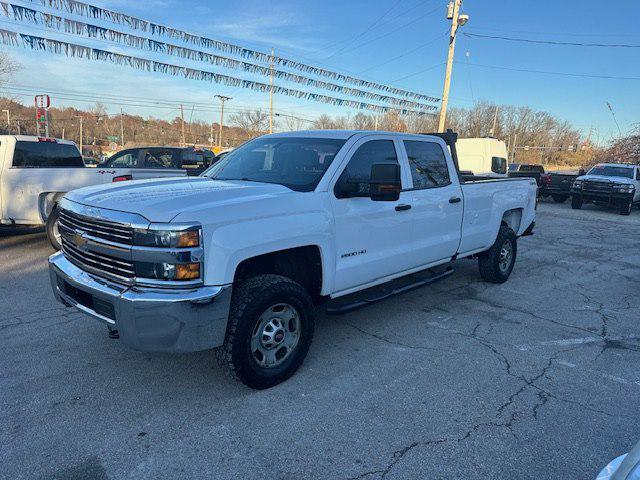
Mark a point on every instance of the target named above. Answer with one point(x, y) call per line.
point(91, 11)
point(93, 31)
point(33, 42)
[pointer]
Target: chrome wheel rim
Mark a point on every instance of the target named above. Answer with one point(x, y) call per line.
point(276, 335)
point(506, 255)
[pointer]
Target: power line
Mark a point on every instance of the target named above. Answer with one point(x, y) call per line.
point(366, 30)
point(551, 42)
point(420, 71)
point(391, 32)
point(122, 100)
point(405, 54)
point(547, 72)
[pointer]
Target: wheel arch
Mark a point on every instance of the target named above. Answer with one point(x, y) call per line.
point(303, 264)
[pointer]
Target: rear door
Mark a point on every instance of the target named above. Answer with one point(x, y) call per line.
point(372, 239)
point(158, 162)
point(436, 200)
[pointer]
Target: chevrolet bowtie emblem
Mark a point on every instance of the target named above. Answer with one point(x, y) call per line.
point(78, 239)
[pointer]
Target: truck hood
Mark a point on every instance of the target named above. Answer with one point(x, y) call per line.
point(606, 179)
point(161, 200)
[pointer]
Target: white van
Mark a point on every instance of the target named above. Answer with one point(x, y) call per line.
point(482, 156)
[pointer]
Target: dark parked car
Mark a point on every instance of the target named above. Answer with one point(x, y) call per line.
point(192, 159)
point(520, 170)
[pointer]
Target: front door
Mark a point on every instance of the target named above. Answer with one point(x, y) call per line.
point(372, 238)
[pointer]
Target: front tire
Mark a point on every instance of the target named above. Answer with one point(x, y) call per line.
point(496, 264)
point(53, 233)
point(576, 202)
point(626, 209)
point(270, 329)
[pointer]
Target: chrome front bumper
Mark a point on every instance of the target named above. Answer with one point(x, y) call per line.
point(165, 320)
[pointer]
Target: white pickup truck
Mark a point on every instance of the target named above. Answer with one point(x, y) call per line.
point(610, 184)
point(36, 172)
point(240, 257)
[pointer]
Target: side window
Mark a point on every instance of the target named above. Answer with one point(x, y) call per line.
point(637, 173)
point(428, 164)
point(160, 158)
point(498, 165)
point(124, 159)
point(358, 170)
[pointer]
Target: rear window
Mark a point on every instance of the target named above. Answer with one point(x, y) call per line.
point(46, 155)
point(532, 168)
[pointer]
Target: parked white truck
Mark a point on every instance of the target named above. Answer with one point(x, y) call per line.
point(240, 257)
point(36, 172)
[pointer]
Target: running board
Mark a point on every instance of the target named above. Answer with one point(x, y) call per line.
point(378, 293)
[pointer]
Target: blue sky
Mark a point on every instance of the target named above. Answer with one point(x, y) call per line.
point(406, 48)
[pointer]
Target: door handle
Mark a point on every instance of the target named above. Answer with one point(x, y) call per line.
point(455, 200)
point(400, 208)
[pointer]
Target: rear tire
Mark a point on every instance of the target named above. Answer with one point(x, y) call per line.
point(576, 203)
point(626, 209)
point(496, 264)
point(52, 229)
point(270, 329)
point(559, 198)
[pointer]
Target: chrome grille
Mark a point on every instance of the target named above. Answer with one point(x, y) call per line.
point(98, 262)
point(114, 232)
point(600, 187)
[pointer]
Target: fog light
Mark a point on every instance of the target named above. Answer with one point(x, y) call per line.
point(187, 271)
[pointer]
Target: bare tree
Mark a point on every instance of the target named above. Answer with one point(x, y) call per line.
point(393, 122)
point(8, 67)
point(253, 122)
point(362, 121)
point(323, 122)
point(294, 123)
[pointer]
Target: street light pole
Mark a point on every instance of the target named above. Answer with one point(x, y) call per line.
point(457, 20)
point(222, 99)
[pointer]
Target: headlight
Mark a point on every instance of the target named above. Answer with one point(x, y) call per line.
point(174, 254)
point(625, 187)
point(577, 183)
point(186, 238)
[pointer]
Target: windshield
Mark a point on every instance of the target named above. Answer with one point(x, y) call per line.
point(296, 163)
point(611, 171)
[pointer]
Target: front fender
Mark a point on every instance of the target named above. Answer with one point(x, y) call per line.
point(227, 245)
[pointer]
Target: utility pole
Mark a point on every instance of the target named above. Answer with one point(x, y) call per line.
point(122, 128)
point(513, 147)
point(81, 119)
point(376, 123)
point(8, 120)
point(271, 92)
point(222, 99)
point(495, 120)
point(182, 117)
point(457, 20)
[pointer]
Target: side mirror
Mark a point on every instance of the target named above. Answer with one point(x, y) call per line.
point(385, 184)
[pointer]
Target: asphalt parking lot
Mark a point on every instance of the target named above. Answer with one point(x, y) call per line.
point(537, 378)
